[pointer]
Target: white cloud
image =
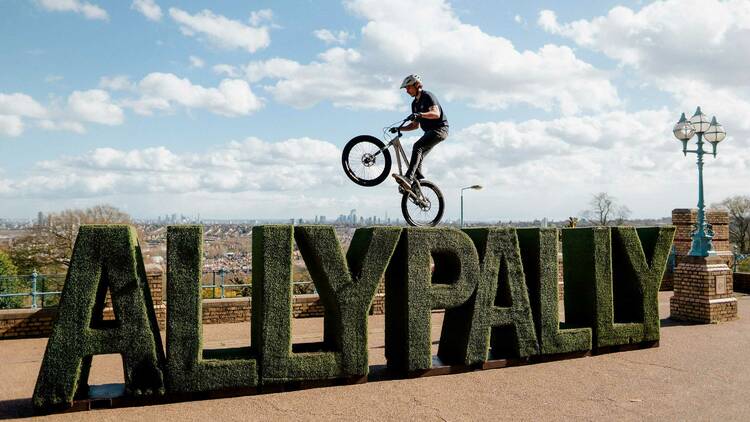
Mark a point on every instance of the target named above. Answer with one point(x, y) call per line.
point(457, 60)
point(147, 8)
point(260, 16)
point(250, 165)
point(10, 125)
point(196, 62)
point(21, 105)
point(161, 91)
point(95, 106)
point(335, 77)
point(696, 50)
point(341, 37)
point(116, 83)
point(70, 126)
point(90, 11)
point(221, 31)
point(530, 169)
point(13, 108)
point(226, 69)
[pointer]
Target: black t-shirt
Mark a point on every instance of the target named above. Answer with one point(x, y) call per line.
point(426, 100)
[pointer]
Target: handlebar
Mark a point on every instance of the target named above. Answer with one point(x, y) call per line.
point(400, 125)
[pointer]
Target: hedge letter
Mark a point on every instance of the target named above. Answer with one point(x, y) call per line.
point(189, 367)
point(412, 291)
point(621, 305)
point(272, 313)
point(347, 285)
point(539, 255)
point(500, 315)
point(103, 257)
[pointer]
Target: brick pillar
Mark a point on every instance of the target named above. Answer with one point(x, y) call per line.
point(703, 290)
point(684, 219)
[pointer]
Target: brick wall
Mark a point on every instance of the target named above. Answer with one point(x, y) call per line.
point(18, 323)
point(226, 311)
point(22, 323)
point(220, 311)
point(741, 282)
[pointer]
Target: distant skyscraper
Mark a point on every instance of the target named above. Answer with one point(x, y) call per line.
point(40, 219)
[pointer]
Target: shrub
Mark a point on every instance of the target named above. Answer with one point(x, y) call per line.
point(9, 283)
point(612, 279)
point(539, 253)
point(346, 288)
point(498, 317)
point(412, 291)
point(189, 367)
point(104, 258)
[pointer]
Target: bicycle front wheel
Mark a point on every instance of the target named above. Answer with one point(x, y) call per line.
point(366, 161)
point(425, 209)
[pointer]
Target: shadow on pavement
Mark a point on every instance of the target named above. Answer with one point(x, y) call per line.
point(669, 322)
point(16, 408)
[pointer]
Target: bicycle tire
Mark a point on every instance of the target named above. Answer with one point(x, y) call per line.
point(431, 221)
point(369, 173)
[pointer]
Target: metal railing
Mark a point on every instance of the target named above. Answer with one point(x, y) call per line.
point(218, 280)
point(30, 291)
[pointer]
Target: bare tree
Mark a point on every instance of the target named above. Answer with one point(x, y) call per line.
point(605, 210)
point(739, 220)
point(49, 245)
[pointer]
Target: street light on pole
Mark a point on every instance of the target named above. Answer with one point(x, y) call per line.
point(475, 187)
point(714, 133)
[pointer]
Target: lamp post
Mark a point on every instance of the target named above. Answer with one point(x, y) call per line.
point(475, 187)
point(714, 133)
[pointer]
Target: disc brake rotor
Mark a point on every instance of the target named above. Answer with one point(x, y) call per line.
point(368, 160)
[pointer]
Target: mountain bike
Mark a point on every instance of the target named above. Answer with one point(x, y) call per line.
point(367, 162)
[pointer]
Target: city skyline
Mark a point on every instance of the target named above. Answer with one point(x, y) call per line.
point(240, 111)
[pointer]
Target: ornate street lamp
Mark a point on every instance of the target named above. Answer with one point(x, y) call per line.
point(714, 133)
point(475, 187)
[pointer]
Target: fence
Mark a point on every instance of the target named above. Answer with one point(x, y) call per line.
point(37, 290)
point(30, 291)
point(222, 280)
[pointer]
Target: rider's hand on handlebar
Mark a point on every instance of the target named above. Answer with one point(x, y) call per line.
point(393, 130)
point(414, 116)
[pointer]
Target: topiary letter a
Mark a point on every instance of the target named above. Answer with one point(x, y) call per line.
point(103, 257)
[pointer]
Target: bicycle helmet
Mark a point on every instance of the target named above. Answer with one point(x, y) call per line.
point(411, 80)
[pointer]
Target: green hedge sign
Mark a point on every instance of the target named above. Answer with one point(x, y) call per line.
point(498, 287)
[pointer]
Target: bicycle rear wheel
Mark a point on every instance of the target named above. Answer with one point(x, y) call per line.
point(365, 160)
point(425, 210)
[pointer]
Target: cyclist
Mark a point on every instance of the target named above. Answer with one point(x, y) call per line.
point(427, 114)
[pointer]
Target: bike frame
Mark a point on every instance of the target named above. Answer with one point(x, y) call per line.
point(400, 153)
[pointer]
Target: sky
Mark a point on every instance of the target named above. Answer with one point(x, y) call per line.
point(240, 110)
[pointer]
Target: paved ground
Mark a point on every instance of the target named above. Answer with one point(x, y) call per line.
point(700, 372)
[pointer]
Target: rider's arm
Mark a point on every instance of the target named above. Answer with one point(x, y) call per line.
point(432, 113)
point(411, 126)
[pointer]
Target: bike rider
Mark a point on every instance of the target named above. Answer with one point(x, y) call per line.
point(427, 114)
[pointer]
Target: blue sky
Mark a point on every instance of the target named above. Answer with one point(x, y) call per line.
point(240, 109)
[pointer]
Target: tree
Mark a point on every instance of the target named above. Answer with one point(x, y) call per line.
point(605, 210)
point(8, 283)
point(738, 208)
point(49, 245)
